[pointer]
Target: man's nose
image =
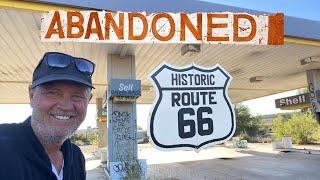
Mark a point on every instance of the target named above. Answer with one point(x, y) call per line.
point(65, 103)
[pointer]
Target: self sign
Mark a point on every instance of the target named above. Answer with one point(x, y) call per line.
point(192, 108)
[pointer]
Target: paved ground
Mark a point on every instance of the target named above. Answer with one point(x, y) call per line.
point(259, 161)
point(94, 170)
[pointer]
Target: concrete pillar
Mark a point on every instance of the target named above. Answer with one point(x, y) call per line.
point(313, 77)
point(122, 123)
point(101, 123)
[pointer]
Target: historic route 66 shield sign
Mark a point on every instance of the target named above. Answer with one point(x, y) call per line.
point(192, 108)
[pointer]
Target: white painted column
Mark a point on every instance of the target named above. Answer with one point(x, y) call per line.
point(122, 121)
point(101, 124)
point(313, 77)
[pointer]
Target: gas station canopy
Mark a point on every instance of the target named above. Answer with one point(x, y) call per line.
point(257, 70)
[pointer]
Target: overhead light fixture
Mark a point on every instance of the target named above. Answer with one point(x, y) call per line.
point(123, 51)
point(190, 49)
point(256, 53)
point(309, 60)
point(146, 88)
point(256, 79)
point(236, 72)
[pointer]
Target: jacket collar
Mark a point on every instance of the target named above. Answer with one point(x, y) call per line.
point(36, 152)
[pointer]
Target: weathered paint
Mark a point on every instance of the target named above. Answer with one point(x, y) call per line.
point(293, 102)
point(313, 77)
point(139, 27)
point(125, 87)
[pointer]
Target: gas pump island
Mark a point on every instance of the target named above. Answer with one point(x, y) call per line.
point(192, 109)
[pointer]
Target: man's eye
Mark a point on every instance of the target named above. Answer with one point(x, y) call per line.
point(52, 94)
point(78, 97)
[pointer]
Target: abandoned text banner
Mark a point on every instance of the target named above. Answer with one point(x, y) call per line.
point(139, 27)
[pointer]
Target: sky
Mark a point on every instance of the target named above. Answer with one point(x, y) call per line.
point(308, 9)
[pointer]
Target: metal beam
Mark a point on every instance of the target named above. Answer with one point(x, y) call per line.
point(302, 41)
point(123, 51)
point(23, 5)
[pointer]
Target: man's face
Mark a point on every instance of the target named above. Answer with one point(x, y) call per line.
point(58, 109)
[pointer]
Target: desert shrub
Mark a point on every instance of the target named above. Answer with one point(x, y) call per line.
point(245, 136)
point(302, 127)
point(79, 142)
point(280, 127)
point(246, 123)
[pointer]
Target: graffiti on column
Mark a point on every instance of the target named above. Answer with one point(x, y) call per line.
point(313, 97)
point(123, 134)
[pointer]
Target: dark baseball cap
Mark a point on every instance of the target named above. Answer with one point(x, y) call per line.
point(56, 66)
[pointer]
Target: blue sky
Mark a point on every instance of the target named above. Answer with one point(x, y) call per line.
point(308, 9)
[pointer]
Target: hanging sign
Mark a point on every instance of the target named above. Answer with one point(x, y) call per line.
point(140, 27)
point(192, 109)
point(293, 102)
point(125, 87)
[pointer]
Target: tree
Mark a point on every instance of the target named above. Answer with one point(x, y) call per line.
point(281, 127)
point(302, 127)
point(246, 123)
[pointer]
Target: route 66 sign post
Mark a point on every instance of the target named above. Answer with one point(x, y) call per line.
point(192, 109)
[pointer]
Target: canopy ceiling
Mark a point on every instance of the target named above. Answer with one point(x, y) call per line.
point(278, 67)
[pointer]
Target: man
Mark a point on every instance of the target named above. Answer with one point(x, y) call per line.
point(39, 148)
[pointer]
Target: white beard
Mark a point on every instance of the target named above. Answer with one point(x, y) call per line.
point(48, 134)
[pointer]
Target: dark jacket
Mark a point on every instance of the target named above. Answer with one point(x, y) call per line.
point(22, 157)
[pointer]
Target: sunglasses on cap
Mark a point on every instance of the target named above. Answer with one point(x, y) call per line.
point(61, 60)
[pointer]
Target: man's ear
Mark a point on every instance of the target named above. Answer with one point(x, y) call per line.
point(90, 96)
point(31, 95)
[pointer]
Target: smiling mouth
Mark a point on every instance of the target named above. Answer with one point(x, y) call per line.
point(62, 117)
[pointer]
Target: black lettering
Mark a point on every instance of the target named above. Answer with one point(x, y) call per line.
point(190, 77)
point(195, 98)
point(174, 79)
point(183, 78)
point(212, 82)
point(185, 99)
point(186, 122)
point(175, 98)
point(203, 79)
point(197, 79)
point(211, 98)
point(202, 121)
point(203, 94)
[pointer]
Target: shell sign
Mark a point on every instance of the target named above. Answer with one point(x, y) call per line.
point(140, 27)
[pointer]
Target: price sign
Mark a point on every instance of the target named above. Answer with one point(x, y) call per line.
point(192, 108)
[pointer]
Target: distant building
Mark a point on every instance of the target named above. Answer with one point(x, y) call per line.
point(267, 120)
point(89, 129)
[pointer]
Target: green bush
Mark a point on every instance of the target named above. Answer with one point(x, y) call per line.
point(281, 127)
point(302, 127)
point(79, 142)
point(85, 138)
point(246, 123)
point(245, 136)
point(133, 170)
